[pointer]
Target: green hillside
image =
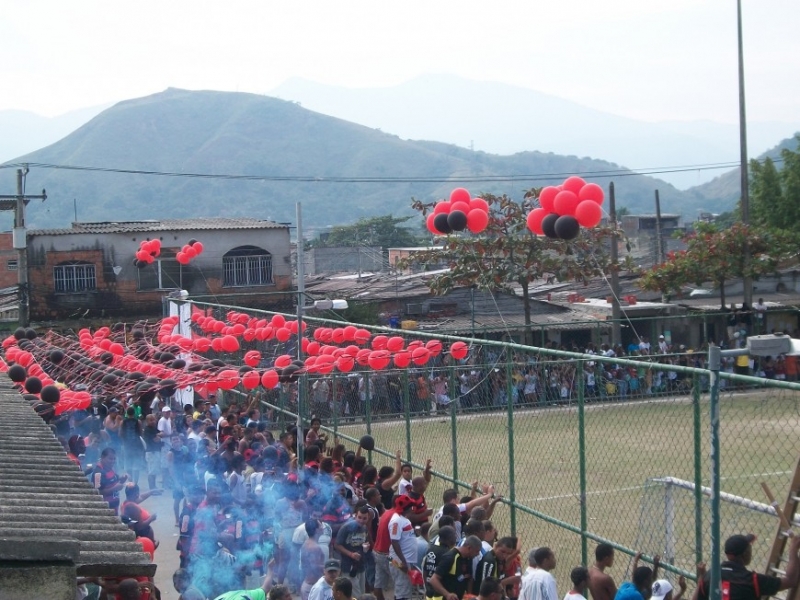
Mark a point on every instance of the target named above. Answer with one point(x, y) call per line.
point(224, 133)
point(722, 193)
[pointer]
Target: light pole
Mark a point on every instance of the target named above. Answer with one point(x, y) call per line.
point(744, 182)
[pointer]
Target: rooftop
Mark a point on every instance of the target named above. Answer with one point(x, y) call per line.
point(195, 224)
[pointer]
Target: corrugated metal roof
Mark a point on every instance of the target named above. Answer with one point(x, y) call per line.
point(199, 223)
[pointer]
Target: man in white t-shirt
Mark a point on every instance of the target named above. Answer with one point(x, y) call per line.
point(580, 581)
point(663, 346)
point(539, 584)
point(644, 345)
point(403, 549)
point(165, 428)
point(451, 497)
point(404, 485)
point(323, 589)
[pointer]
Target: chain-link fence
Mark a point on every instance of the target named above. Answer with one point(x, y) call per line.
point(581, 448)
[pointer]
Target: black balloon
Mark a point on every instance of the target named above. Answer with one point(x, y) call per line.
point(244, 369)
point(135, 376)
point(137, 334)
point(19, 333)
point(289, 374)
point(192, 242)
point(56, 356)
point(25, 344)
point(217, 362)
point(106, 358)
point(168, 387)
point(367, 442)
point(178, 363)
point(456, 220)
point(33, 385)
point(549, 225)
point(440, 223)
point(140, 264)
point(567, 227)
point(110, 379)
point(167, 357)
point(17, 373)
point(50, 394)
point(31, 333)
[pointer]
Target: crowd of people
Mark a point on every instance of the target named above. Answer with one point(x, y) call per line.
point(255, 523)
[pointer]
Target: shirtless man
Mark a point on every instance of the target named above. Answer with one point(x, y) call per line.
point(601, 585)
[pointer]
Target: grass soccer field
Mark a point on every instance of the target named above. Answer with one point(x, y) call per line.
point(626, 445)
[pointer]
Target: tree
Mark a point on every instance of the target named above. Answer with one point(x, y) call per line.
point(507, 253)
point(766, 196)
point(716, 255)
point(385, 232)
point(775, 195)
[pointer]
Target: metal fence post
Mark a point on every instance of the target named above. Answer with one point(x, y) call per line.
point(367, 410)
point(698, 470)
point(335, 405)
point(453, 442)
point(407, 408)
point(582, 461)
point(512, 494)
point(714, 361)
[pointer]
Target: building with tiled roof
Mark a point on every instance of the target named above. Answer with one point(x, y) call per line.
point(90, 269)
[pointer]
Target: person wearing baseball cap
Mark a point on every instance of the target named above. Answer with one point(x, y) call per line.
point(663, 590)
point(323, 589)
point(738, 583)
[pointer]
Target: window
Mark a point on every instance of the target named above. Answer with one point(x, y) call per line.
point(246, 266)
point(163, 274)
point(12, 265)
point(74, 278)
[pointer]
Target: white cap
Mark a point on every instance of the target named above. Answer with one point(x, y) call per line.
point(166, 409)
point(661, 588)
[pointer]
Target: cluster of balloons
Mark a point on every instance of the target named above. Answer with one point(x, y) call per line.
point(148, 251)
point(151, 358)
point(567, 207)
point(459, 213)
point(189, 251)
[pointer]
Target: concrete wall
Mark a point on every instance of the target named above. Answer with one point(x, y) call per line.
point(118, 294)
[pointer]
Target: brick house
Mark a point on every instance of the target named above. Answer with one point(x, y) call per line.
point(88, 269)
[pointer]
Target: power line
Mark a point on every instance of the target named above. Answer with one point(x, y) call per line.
point(602, 173)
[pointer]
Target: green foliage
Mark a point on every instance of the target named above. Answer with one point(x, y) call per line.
point(774, 194)
point(507, 253)
point(382, 231)
point(718, 255)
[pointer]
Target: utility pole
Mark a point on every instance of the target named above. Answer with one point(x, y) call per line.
point(616, 312)
point(17, 203)
point(659, 240)
point(747, 281)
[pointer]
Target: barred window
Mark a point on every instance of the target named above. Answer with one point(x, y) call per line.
point(74, 278)
point(247, 266)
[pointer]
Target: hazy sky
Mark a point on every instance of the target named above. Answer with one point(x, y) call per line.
point(647, 59)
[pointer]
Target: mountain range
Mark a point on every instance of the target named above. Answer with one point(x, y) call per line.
point(206, 153)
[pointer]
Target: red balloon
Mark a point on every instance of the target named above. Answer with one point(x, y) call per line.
point(477, 220)
point(379, 359)
point(547, 196)
point(198, 247)
point(434, 346)
point(402, 359)
point(338, 335)
point(283, 334)
point(250, 380)
point(441, 208)
point(362, 357)
point(252, 358)
point(362, 336)
point(395, 343)
point(345, 363)
point(588, 213)
point(270, 379)
point(312, 348)
point(591, 191)
point(565, 203)
point(573, 184)
point(228, 379)
point(277, 321)
point(325, 363)
point(429, 224)
point(479, 203)
point(420, 355)
point(460, 195)
point(535, 220)
point(230, 343)
point(116, 349)
point(142, 255)
point(155, 246)
point(182, 258)
point(249, 335)
point(190, 252)
point(462, 206)
point(284, 360)
point(379, 342)
point(201, 344)
point(459, 350)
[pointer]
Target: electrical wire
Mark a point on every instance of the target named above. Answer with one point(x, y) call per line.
point(601, 173)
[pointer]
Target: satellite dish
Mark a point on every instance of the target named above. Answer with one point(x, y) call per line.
point(117, 270)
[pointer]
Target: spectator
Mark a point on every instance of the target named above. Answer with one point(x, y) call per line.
point(323, 589)
point(580, 581)
point(540, 584)
point(601, 585)
point(453, 575)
